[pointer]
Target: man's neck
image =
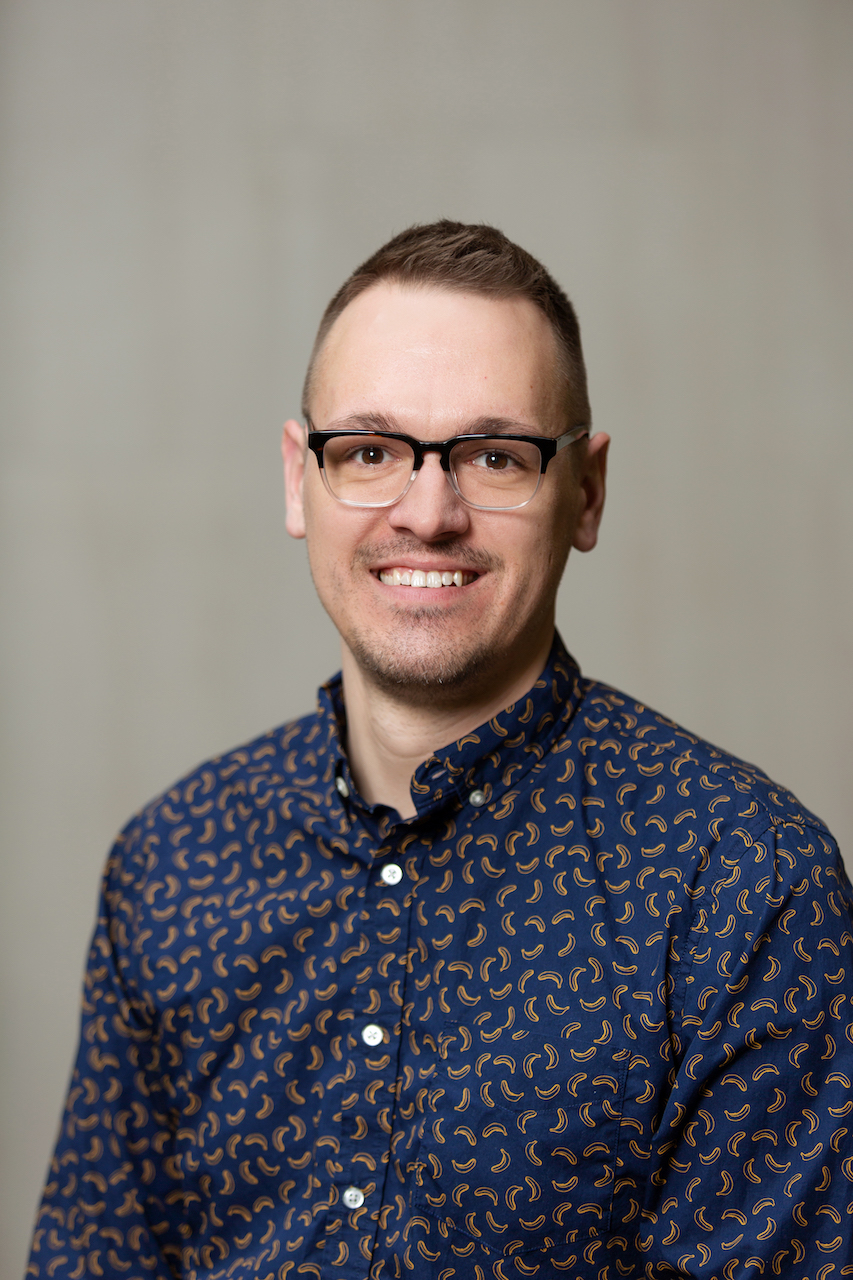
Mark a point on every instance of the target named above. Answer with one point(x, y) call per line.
point(391, 733)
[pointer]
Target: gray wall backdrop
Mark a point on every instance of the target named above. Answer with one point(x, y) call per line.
point(185, 182)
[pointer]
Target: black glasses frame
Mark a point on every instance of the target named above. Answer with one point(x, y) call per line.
point(548, 447)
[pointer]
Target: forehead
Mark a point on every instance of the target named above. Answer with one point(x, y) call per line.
point(438, 358)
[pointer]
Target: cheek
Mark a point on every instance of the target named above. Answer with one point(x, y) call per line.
point(314, 500)
point(561, 521)
point(551, 548)
point(334, 534)
point(328, 526)
point(325, 544)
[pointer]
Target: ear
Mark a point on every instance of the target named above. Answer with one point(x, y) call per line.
point(294, 451)
point(592, 486)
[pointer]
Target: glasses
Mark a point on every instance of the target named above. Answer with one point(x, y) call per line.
point(491, 473)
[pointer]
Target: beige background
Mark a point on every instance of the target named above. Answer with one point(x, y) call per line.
point(185, 182)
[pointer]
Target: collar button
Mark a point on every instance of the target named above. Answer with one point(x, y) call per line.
point(477, 798)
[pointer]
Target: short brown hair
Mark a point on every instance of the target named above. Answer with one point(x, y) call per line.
point(475, 258)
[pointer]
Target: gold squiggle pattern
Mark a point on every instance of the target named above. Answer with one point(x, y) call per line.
point(596, 1022)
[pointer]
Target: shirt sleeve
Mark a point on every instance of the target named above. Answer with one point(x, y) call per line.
point(104, 1210)
point(750, 1167)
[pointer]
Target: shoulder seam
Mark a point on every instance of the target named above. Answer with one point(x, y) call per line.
point(806, 819)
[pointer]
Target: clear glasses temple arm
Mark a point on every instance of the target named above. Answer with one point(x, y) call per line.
point(571, 436)
point(563, 441)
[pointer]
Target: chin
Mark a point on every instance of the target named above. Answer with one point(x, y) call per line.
point(420, 668)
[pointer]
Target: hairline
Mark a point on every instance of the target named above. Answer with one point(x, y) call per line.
point(575, 406)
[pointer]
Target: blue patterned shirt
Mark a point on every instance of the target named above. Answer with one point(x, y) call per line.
point(588, 1014)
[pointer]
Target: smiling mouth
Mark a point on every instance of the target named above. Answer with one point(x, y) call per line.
point(425, 578)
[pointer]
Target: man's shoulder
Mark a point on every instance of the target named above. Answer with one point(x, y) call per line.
point(274, 756)
point(660, 755)
point(217, 802)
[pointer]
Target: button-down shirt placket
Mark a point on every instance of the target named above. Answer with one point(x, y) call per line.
point(383, 1111)
point(373, 971)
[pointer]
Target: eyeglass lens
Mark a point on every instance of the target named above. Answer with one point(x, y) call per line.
point(373, 470)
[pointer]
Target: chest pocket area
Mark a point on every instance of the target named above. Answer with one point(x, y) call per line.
point(519, 1142)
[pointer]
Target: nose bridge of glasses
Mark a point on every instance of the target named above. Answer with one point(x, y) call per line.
point(441, 447)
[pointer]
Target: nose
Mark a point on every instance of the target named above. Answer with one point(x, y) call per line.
point(431, 510)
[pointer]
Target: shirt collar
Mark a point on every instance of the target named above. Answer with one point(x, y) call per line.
point(488, 760)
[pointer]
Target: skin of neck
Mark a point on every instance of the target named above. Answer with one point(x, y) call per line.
point(391, 733)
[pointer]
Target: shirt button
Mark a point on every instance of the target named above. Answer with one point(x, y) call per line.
point(391, 873)
point(372, 1035)
point(353, 1198)
point(477, 798)
point(343, 789)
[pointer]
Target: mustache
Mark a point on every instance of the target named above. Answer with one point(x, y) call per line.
point(401, 548)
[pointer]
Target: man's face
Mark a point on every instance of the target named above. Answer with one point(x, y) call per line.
point(435, 363)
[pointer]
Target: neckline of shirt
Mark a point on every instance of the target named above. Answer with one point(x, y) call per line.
point(490, 759)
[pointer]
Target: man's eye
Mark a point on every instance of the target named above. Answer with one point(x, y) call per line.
point(493, 459)
point(372, 455)
point(368, 455)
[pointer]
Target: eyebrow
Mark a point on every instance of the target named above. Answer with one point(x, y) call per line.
point(363, 422)
point(487, 426)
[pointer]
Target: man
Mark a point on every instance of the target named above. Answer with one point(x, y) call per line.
point(483, 969)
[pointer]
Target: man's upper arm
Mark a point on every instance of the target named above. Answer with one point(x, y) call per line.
point(101, 1211)
point(750, 1154)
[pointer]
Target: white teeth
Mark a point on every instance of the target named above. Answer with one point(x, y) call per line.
point(429, 578)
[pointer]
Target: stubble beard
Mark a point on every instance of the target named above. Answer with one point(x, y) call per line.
point(419, 660)
point(421, 657)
